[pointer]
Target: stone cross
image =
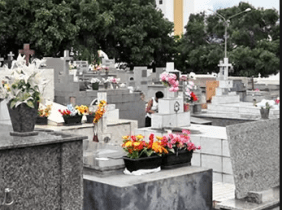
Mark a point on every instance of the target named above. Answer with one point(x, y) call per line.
point(27, 52)
point(10, 56)
point(66, 58)
point(223, 69)
point(1, 59)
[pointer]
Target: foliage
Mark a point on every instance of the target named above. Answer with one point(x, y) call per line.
point(252, 42)
point(24, 83)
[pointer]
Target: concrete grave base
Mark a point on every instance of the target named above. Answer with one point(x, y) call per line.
point(268, 200)
point(186, 188)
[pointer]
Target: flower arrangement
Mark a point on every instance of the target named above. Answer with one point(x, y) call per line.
point(44, 111)
point(95, 80)
point(170, 80)
point(190, 95)
point(73, 111)
point(82, 109)
point(136, 147)
point(114, 80)
point(72, 66)
point(277, 101)
point(175, 142)
point(106, 80)
point(101, 109)
point(24, 85)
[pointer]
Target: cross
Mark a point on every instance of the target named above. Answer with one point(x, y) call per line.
point(10, 56)
point(223, 69)
point(66, 58)
point(27, 52)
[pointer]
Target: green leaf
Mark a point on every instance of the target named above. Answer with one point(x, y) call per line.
point(30, 104)
point(13, 103)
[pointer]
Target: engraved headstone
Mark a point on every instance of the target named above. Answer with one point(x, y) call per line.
point(82, 67)
point(254, 154)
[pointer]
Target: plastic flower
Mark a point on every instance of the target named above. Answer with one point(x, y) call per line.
point(44, 111)
point(170, 80)
point(101, 109)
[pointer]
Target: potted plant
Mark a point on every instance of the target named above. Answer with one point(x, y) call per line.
point(180, 149)
point(106, 82)
point(142, 154)
point(23, 88)
point(190, 98)
point(95, 83)
point(114, 81)
point(264, 111)
point(170, 81)
point(43, 114)
point(98, 114)
point(73, 115)
point(90, 116)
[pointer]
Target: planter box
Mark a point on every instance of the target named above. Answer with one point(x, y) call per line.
point(95, 86)
point(41, 120)
point(72, 120)
point(142, 163)
point(183, 158)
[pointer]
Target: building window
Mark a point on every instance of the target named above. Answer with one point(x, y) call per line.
point(160, 1)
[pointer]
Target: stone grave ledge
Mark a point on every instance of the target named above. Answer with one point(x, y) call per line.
point(256, 200)
point(187, 187)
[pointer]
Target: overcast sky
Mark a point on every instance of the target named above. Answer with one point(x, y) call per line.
point(201, 5)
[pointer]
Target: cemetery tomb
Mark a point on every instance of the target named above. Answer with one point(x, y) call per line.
point(41, 172)
point(254, 153)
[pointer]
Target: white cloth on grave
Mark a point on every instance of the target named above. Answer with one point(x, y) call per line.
point(141, 171)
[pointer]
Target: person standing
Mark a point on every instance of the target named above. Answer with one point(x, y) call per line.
point(152, 107)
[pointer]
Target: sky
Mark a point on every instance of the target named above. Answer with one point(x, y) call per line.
point(203, 5)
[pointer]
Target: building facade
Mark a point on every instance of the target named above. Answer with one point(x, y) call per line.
point(177, 11)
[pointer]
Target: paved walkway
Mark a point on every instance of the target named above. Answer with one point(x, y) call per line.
point(222, 191)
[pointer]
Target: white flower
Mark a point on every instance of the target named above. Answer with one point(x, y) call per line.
point(95, 80)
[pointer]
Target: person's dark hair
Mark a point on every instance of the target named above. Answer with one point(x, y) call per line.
point(159, 94)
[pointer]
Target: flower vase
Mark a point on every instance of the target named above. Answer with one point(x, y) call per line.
point(114, 85)
point(142, 163)
point(106, 85)
point(95, 86)
point(264, 113)
point(186, 107)
point(177, 159)
point(95, 133)
point(23, 120)
point(170, 94)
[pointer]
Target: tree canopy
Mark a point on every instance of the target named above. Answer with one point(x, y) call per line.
point(252, 41)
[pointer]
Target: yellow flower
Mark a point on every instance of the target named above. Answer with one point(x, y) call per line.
point(7, 86)
point(125, 137)
point(128, 144)
point(139, 137)
point(136, 144)
point(159, 138)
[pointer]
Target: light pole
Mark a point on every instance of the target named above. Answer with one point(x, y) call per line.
point(226, 24)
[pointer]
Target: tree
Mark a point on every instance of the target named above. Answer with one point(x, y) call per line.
point(252, 47)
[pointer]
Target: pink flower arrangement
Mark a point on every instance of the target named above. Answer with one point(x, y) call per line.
point(174, 142)
point(114, 80)
point(169, 80)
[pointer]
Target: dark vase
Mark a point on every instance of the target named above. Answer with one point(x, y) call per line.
point(95, 86)
point(177, 159)
point(73, 120)
point(142, 163)
point(23, 119)
point(41, 120)
point(106, 85)
point(264, 113)
point(89, 118)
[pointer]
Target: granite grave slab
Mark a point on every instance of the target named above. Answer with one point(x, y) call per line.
point(254, 153)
